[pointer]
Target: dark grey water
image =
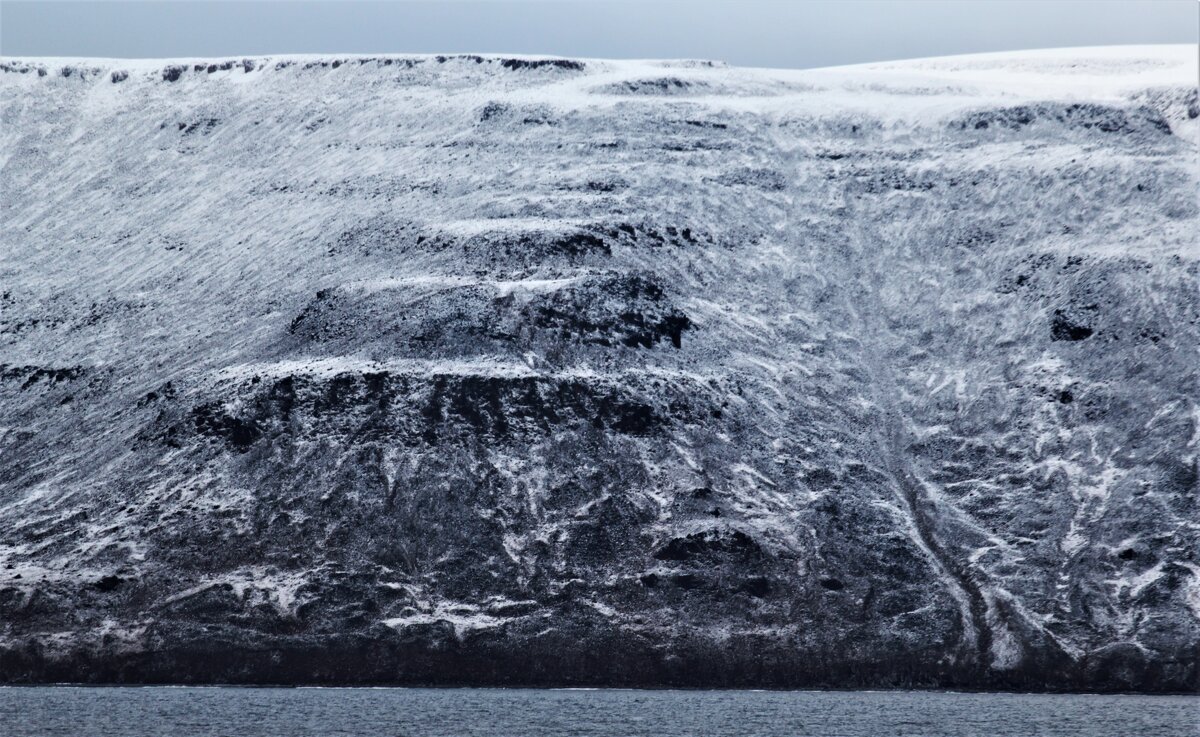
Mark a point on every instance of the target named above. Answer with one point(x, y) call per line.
point(400, 712)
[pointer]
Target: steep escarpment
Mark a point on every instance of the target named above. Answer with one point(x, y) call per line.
point(486, 370)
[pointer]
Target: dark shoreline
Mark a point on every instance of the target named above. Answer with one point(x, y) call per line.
point(355, 662)
point(444, 687)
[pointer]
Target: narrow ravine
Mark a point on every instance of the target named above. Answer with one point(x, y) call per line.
point(862, 311)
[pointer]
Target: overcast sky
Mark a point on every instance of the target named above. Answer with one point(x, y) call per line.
point(777, 33)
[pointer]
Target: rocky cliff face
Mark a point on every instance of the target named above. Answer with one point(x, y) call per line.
point(540, 371)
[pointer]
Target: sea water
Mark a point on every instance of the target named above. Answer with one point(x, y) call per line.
point(414, 712)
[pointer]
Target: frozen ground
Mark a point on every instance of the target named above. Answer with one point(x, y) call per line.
point(545, 371)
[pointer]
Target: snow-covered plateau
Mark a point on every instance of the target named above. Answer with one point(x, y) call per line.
point(536, 371)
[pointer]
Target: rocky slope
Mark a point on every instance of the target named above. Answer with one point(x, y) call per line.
point(468, 369)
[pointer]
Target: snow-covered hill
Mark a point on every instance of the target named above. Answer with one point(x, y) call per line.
point(544, 371)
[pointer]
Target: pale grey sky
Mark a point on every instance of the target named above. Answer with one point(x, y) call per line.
point(778, 33)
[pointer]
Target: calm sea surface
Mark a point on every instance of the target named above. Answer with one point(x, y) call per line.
point(404, 712)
